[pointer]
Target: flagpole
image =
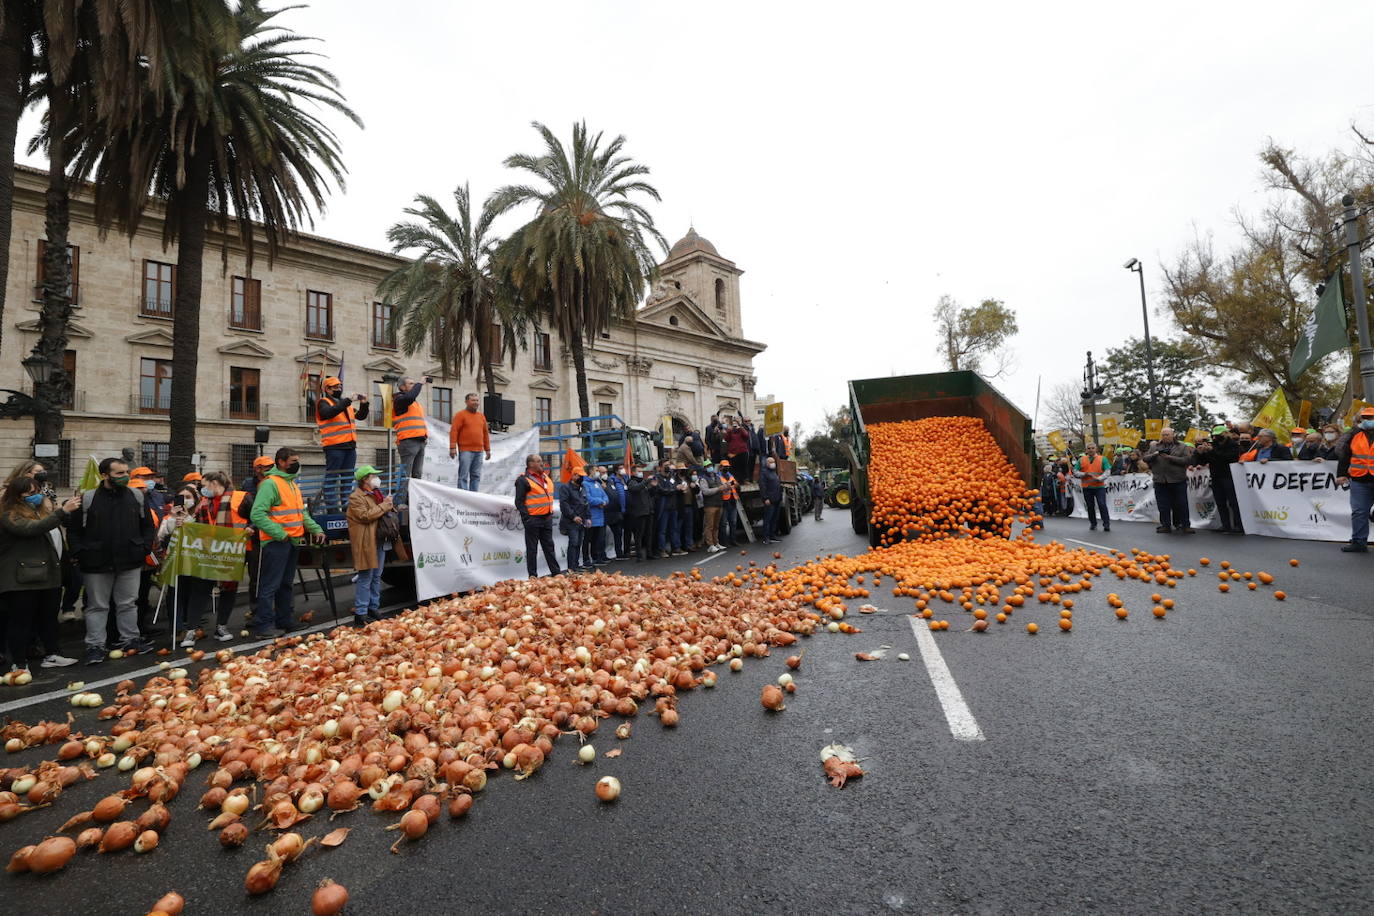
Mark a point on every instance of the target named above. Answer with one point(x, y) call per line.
point(1352, 238)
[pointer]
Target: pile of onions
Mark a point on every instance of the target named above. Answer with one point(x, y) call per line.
point(411, 714)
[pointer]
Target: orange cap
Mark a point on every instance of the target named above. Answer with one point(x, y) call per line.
point(193, 475)
point(262, 461)
point(332, 381)
point(1367, 412)
point(141, 472)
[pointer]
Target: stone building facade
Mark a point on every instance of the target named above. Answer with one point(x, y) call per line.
point(311, 310)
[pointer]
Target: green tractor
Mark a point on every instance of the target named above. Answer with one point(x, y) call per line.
point(835, 482)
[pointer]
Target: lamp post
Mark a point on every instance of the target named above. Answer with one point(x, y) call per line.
point(1352, 239)
point(1135, 266)
point(1091, 392)
point(20, 403)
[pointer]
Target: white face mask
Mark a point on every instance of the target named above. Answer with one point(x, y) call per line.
point(639, 475)
point(374, 481)
point(213, 490)
point(1330, 437)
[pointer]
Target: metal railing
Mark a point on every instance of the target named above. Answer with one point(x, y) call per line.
point(155, 405)
point(154, 306)
point(237, 410)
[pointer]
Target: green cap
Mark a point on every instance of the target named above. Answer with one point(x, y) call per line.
point(1218, 430)
point(362, 471)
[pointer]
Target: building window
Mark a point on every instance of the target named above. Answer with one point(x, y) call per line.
point(382, 460)
point(603, 408)
point(154, 455)
point(159, 289)
point(155, 386)
point(59, 468)
point(243, 393)
point(383, 336)
point(720, 297)
point(442, 403)
point(543, 356)
point(494, 344)
point(543, 410)
point(377, 412)
point(69, 367)
point(241, 462)
point(439, 338)
point(75, 289)
point(319, 315)
point(245, 307)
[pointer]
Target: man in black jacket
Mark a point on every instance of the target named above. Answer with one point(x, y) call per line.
point(1218, 454)
point(770, 488)
point(111, 535)
point(639, 509)
point(534, 498)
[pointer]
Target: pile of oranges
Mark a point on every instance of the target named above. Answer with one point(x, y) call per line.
point(940, 477)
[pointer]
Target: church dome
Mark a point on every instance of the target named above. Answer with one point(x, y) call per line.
point(689, 243)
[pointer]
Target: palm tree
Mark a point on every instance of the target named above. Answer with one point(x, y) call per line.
point(238, 140)
point(582, 261)
point(448, 293)
point(87, 58)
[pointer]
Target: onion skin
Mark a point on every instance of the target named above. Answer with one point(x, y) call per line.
point(262, 877)
point(109, 808)
point(89, 837)
point(19, 862)
point(772, 698)
point(171, 903)
point(234, 835)
point(119, 836)
point(608, 788)
point(329, 898)
point(51, 855)
point(460, 806)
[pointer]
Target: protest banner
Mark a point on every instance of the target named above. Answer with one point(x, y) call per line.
point(462, 540)
point(1287, 499)
point(1057, 441)
point(205, 552)
point(1153, 428)
point(508, 451)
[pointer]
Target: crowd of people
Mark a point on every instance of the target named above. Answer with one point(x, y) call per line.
point(1168, 459)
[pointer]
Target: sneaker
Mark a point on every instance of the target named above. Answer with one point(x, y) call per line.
point(262, 634)
point(1164, 529)
point(222, 633)
point(360, 620)
point(188, 640)
point(139, 645)
point(1353, 547)
point(1106, 527)
point(679, 553)
point(70, 616)
point(95, 656)
point(1093, 526)
point(1186, 531)
point(57, 661)
point(374, 613)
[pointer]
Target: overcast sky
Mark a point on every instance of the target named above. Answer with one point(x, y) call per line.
point(859, 160)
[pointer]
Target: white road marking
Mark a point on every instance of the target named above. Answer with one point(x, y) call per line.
point(1090, 544)
point(961, 722)
point(715, 556)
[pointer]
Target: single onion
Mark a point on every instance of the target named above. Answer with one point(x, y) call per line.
point(19, 862)
point(234, 835)
point(668, 717)
point(413, 825)
point(109, 808)
point(146, 842)
point(170, 903)
point(262, 877)
point(586, 754)
point(460, 805)
point(772, 698)
point(51, 854)
point(329, 898)
point(119, 836)
point(608, 788)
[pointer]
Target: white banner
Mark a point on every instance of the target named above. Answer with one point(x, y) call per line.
point(1293, 499)
point(1285, 499)
point(463, 540)
point(508, 451)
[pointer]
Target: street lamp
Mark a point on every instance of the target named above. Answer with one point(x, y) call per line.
point(20, 403)
point(1134, 265)
point(38, 368)
point(1091, 392)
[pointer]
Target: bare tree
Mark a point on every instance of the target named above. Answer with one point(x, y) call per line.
point(1064, 410)
point(975, 337)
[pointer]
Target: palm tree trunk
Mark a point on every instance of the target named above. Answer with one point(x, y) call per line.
point(11, 104)
point(48, 422)
point(584, 404)
point(186, 313)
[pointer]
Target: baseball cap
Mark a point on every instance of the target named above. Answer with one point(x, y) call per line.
point(1218, 430)
point(262, 461)
point(724, 463)
point(141, 472)
point(362, 471)
point(1367, 412)
point(193, 475)
point(1299, 431)
point(332, 381)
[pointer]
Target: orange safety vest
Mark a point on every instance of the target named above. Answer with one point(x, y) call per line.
point(236, 500)
point(1092, 473)
point(340, 430)
point(411, 423)
point(729, 482)
point(1250, 455)
point(539, 499)
point(289, 509)
point(1362, 455)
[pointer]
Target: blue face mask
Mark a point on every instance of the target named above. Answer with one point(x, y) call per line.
point(1367, 424)
point(34, 499)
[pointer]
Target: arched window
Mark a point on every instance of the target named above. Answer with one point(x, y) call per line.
point(720, 297)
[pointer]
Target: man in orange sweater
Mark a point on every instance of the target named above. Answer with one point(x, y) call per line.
point(469, 440)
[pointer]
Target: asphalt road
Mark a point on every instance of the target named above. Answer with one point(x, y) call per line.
point(1211, 761)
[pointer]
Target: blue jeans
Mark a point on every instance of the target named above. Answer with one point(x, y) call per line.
point(1096, 498)
point(469, 470)
point(729, 522)
point(686, 523)
point(367, 591)
point(339, 461)
point(1361, 501)
point(770, 520)
point(576, 535)
point(275, 583)
point(667, 531)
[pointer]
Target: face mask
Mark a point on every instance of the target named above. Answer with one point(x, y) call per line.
point(120, 481)
point(214, 490)
point(771, 465)
point(40, 477)
point(374, 481)
point(293, 468)
point(1367, 424)
point(1329, 437)
point(34, 499)
point(639, 475)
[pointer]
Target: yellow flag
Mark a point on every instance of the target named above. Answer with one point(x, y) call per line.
point(772, 419)
point(1129, 437)
point(1109, 428)
point(388, 417)
point(1196, 435)
point(1057, 440)
point(91, 479)
point(1275, 414)
point(1304, 413)
point(1153, 428)
point(1109, 453)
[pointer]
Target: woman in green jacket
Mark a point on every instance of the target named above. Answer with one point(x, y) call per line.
point(30, 570)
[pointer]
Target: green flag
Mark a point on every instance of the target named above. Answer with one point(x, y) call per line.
point(91, 479)
point(1325, 330)
point(205, 552)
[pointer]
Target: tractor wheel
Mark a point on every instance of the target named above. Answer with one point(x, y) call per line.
point(858, 513)
point(842, 498)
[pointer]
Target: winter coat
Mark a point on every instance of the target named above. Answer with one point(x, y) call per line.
point(770, 485)
point(737, 441)
point(614, 486)
point(597, 500)
point(1169, 463)
point(115, 535)
point(684, 454)
point(639, 498)
point(665, 493)
point(572, 504)
point(710, 488)
point(29, 552)
point(364, 514)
